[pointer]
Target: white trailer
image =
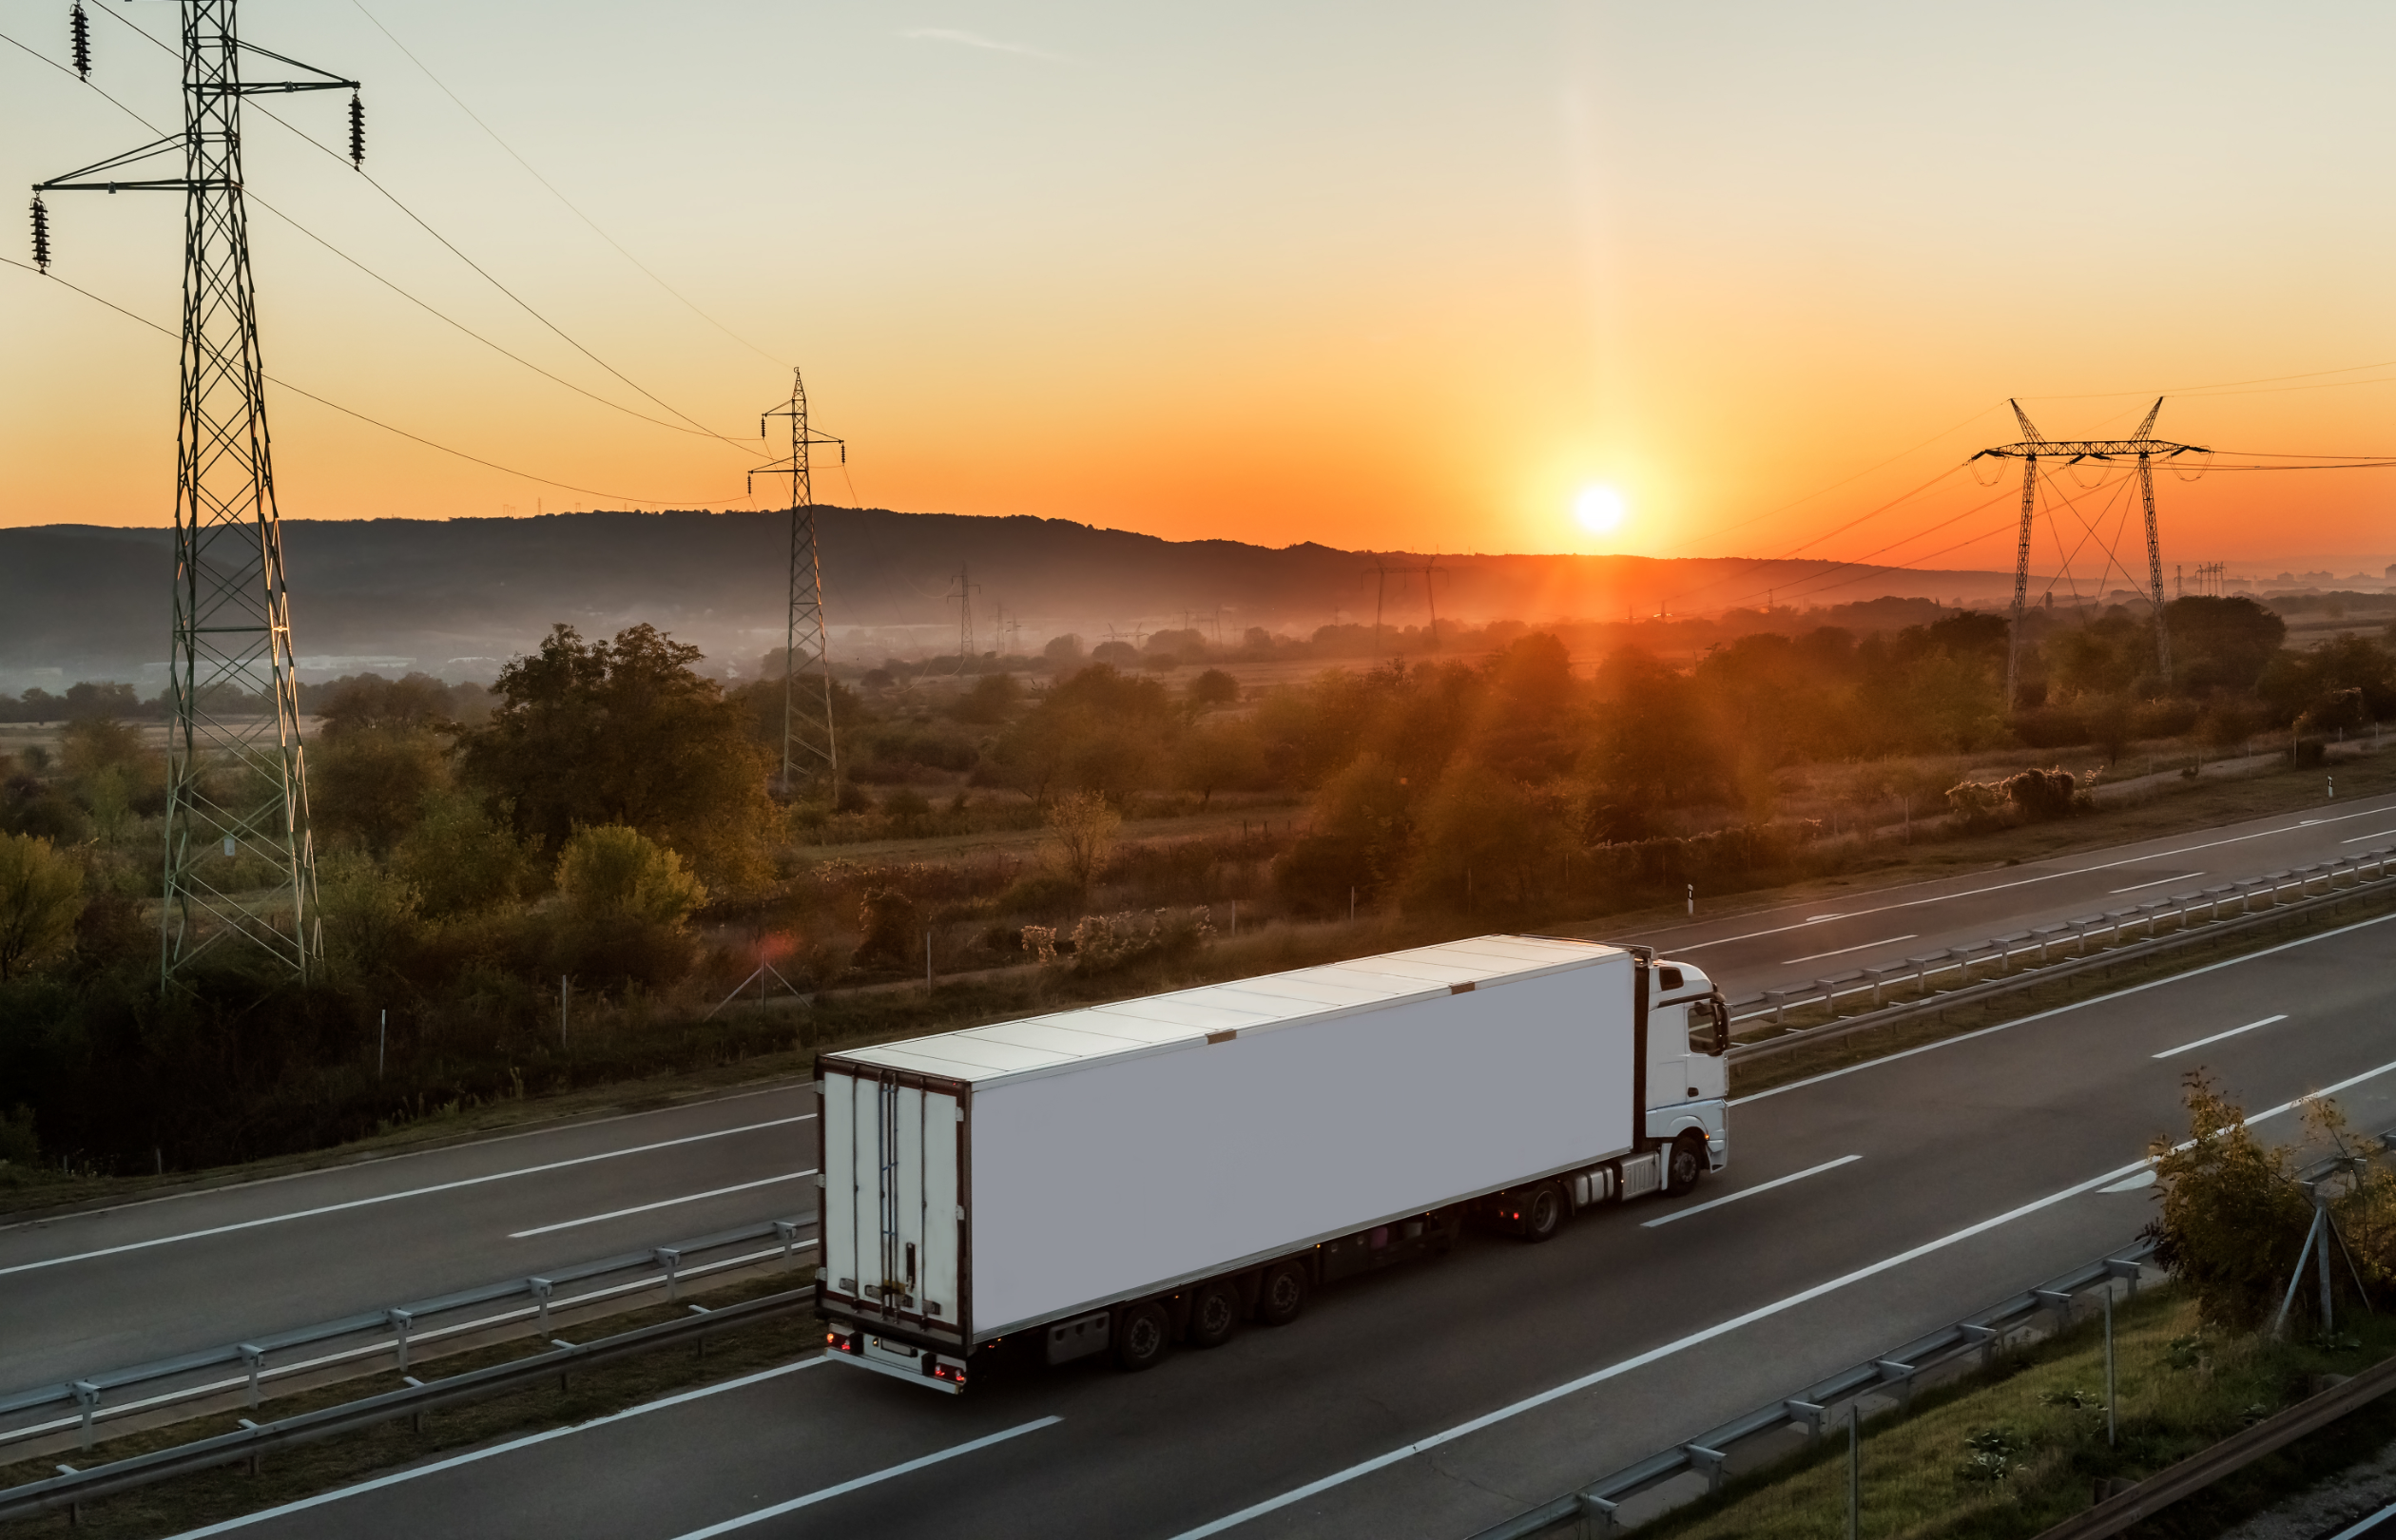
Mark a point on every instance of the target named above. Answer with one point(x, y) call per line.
point(1120, 1177)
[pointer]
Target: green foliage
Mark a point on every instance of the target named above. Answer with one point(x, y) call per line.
point(1110, 943)
point(461, 861)
point(623, 732)
point(1362, 839)
point(1214, 688)
point(1485, 839)
point(623, 903)
point(41, 897)
point(374, 920)
point(1082, 830)
point(369, 783)
point(2232, 1216)
point(1225, 755)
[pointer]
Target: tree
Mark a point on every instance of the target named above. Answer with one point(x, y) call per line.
point(374, 920)
point(1363, 831)
point(41, 897)
point(1063, 652)
point(461, 861)
point(370, 784)
point(2221, 644)
point(1214, 688)
point(989, 701)
point(623, 906)
point(623, 732)
point(1217, 757)
point(1081, 832)
point(2232, 1216)
point(1484, 839)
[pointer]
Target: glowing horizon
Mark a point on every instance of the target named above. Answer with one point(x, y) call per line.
point(1426, 286)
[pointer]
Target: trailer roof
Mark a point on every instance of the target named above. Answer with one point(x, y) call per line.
point(1044, 1045)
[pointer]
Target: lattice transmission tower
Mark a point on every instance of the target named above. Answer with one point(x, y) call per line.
point(2141, 446)
point(240, 867)
point(810, 746)
point(962, 596)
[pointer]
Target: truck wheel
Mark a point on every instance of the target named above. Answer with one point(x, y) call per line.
point(1143, 1339)
point(1283, 1295)
point(1687, 1163)
point(1214, 1317)
point(1544, 1214)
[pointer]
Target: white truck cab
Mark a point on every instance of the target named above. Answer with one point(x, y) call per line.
point(1688, 1078)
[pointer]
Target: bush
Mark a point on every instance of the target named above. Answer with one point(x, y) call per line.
point(623, 903)
point(2233, 1217)
point(2041, 794)
point(1107, 943)
point(893, 930)
point(41, 897)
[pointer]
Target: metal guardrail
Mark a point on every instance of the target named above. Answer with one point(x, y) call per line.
point(399, 1331)
point(1809, 1408)
point(247, 1443)
point(2003, 950)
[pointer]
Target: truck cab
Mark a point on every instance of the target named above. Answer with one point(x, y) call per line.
point(1688, 1078)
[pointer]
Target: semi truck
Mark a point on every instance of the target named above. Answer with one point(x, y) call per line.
point(1126, 1178)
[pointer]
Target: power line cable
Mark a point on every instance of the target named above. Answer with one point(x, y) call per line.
point(351, 412)
point(485, 274)
point(568, 203)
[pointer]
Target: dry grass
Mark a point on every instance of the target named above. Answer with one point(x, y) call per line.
point(2178, 1392)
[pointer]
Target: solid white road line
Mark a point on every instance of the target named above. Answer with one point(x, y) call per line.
point(1844, 950)
point(544, 1131)
point(827, 1493)
point(2359, 838)
point(2044, 877)
point(394, 1197)
point(507, 1447)
point(1614, 1370)
point(2142, 1180)
point(2176, 876)
point(1749, 1192)
point(2058, 1010)
point(2218, 1036)
point(663, 1203)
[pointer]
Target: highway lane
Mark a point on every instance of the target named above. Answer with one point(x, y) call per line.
point(88, 1292)
point(293, 1267)
point(1977, 1170)
point(1794, 944)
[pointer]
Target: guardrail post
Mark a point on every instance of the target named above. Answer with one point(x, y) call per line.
point(2057, 1300)
point(789, 1234)
point(87, 1396)
point(1709, 1460)
point(1810, 1415)
point(1982, 1337)
point(400, 1320)
point(1779, 999)
point(671, 1260)
point(1596, 1515)
point(541, 1288)
point(1902, 1374)
point(256, 1359)
point(2116, 1267)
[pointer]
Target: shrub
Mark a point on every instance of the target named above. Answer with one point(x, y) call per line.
point(2041, 794)
point(374, 923)
point(1106, 943)
point(624, 904)
point(894, 930)
point(2232, 1216)
point(41, 897)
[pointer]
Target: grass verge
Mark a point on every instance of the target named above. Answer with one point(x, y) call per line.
point(2011, 1450)
point(288, 1475)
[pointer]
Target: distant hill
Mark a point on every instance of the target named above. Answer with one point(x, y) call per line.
point(456, 596)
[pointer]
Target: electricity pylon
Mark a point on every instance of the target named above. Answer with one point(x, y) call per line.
point(2033, 448)
point(962, 595)
point(809, 742)
point(236, 792)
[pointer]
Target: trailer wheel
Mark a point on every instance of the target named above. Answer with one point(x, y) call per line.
point(1687, 1163)
point(1543, 1216)
point(1214, 1317)
point(1284, 1296)
point(1143, 1339)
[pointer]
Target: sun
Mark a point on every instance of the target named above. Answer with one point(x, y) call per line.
point(1600, 510)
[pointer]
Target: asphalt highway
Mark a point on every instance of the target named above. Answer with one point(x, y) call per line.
point(1797, 943)
point(1866, 1206)
point(85, 1293)
point(104, 1290)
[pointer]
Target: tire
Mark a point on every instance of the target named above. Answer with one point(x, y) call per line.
point(1143, 1338)
point(1283, 1298)
point(1214, 1315)
point(1686, 1163)
point(1543, 1216)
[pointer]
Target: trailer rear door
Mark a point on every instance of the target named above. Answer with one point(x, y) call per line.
point(893, 1224)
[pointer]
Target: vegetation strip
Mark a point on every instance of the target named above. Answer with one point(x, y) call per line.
point(2117, 1513)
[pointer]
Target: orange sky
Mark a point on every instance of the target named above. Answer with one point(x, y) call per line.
point(1381, 276)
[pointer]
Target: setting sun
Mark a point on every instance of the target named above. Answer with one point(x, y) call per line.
point(1599, 508)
